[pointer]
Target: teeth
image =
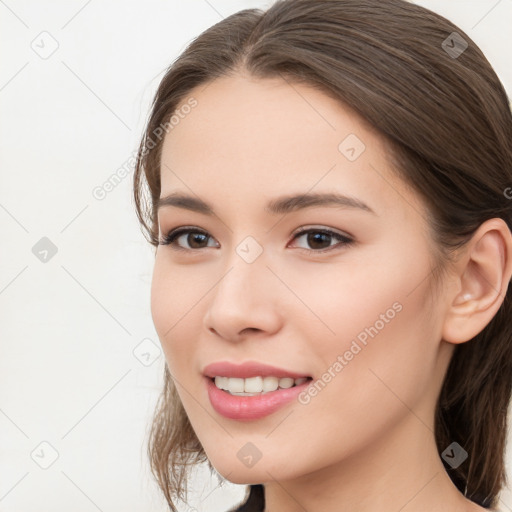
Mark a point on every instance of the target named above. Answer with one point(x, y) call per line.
point(236, 385)
point(270, 384)
point(256, 385)
point(286, 383)
point(252, 385)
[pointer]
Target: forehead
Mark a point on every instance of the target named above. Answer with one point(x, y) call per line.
point(261, 135)
point(245, 114)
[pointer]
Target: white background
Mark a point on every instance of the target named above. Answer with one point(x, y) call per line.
point(68, 327)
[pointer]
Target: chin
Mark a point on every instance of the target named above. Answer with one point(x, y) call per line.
point(262, 471)
point(244, 478)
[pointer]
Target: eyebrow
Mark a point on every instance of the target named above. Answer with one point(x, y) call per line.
point(280, 205)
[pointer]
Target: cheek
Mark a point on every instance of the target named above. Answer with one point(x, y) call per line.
point(357, 296)
point(175, 305)
point(374, 321)
point(378, 384)
point(162, 300)
point(384, 352)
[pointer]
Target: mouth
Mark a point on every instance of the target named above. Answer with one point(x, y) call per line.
point(253, 405)
point(256, 386)
point(251, 390)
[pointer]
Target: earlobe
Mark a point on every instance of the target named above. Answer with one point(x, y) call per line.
point(483, 272)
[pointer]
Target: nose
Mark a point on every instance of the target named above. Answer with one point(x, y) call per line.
point(244, 302)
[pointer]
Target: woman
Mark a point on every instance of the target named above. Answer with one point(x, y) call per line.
point(327, 186)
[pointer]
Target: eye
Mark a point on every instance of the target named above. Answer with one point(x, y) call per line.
point(193, 238)
point(316, 239)
point(320, 239)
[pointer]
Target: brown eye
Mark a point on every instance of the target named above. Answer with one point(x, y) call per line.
point(321, 240)
point(188, 239)
point(197, 240)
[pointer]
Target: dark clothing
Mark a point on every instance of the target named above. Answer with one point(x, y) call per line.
point(254, 502)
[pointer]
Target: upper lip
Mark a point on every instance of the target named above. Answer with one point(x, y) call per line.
point(248, 369)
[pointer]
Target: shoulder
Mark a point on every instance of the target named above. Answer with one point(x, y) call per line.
point(253, 502)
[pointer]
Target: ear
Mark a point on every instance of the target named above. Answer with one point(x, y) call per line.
point(483, 273)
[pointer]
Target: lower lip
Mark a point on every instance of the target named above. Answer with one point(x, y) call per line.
point(250, 407)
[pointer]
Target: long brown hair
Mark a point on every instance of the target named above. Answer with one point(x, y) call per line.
point(446, 119)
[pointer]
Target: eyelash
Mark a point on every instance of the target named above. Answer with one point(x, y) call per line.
point(345, 241)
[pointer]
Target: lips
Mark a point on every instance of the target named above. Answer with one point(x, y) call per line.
point(247, 370)
point(259, 405)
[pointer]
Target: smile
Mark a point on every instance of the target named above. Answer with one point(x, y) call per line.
point(255, 386)
point(249, 406)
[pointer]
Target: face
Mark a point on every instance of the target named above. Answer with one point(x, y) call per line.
point(332, 286)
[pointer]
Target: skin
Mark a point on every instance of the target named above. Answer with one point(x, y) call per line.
point(365, 442)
